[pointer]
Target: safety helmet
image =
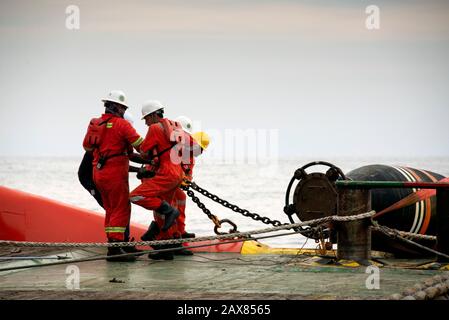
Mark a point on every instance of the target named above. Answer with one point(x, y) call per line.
point(150, 106)
point(185, 122)
point(202, 138)
point(116, 96)
point(128, 116)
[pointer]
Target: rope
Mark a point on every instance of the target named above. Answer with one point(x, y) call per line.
point(395, 234)
point(416, 236)
point(69, 261)
point(245, 235)
point(429, 289)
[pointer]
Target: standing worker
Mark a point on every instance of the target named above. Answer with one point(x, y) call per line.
point(180, 196)
point(156, 193)
point(85, 171)
point(201, 140)
point(111, 138)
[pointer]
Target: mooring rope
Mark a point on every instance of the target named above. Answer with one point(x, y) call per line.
point(395, 234)
point(102, 257)
point(244, 235)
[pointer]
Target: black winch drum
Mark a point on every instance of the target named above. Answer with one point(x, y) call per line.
point(417, 218)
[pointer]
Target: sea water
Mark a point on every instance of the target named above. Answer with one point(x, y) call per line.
point(260, 188)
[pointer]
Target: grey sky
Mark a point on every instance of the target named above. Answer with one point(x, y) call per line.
point(308, 68)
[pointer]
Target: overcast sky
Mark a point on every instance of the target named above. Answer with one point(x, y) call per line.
point(309, 69)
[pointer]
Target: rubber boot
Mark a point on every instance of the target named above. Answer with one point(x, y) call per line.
point(169, 213)
point(113, 251)
point(151, 233)
point(187, 235)
point(181, 252)
point(132, 249)
point(165, 255)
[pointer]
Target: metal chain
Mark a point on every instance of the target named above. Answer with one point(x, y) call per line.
point(429, 289)
point(227, 204)
point(190, 240)
point(200, 205)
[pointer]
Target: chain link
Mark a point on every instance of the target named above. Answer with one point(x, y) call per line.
point(430, 289)
point(226, 204)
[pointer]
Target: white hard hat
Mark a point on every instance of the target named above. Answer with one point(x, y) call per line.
point(128, 116)
point(116, 96)
point(185, 122)
point(151, 106)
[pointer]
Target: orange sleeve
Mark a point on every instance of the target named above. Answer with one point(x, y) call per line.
point(151, 139)
point(131, 135)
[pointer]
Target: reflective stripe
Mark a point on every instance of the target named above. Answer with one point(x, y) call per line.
point(136, 198)
point(115, 229)
point(109, 125)
point(137, 142)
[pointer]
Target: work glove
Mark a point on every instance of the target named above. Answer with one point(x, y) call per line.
point(145, 174)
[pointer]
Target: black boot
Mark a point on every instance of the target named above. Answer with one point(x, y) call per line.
point(182, 252)
point(132, 249)
point(114, 251)
point(152, 232)
point(150, 235)
point(164, 255)
point(169, 213)
point(187, 235)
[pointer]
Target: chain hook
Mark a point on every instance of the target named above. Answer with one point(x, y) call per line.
point(185, 184)
point(215, 220)
point(233, 230)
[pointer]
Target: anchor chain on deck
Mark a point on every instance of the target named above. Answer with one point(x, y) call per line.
point(243, 235)
point(226, 204)
point(255, 216)
point(430, 289)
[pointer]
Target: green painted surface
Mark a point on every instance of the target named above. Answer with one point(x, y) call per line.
point(220, 273)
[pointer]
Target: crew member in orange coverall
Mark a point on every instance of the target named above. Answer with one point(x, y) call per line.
point(200, 143)
point(196, 144)
point(111, 138)
point(156, 193)
point(177, 230)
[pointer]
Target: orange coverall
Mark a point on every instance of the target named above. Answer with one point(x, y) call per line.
point(112, 179)
point(151, 192)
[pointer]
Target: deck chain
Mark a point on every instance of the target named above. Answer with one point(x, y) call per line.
point(226, 204)
point(429, 289)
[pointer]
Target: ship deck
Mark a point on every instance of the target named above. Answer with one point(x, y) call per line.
point(217, 276)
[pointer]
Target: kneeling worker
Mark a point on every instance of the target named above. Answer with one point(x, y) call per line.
point(156, 193)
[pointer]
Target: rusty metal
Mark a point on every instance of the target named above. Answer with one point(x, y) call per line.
point(315, 197)
point(233, 230)
point(217, 222)
point(442, 223)
point(354, 237)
